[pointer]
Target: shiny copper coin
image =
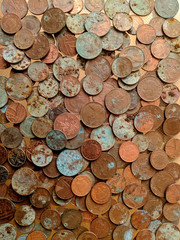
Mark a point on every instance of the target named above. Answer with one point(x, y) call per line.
point(40, 198)
point(140, 219)
point(64, 5)
point(172, 110)
point(16, 157)
point(146, 34)
point(23, 39)
point(171, 126)
point(173, 169)
point(91, 149)
point(37, 6)
point(100, 227)
point(50, 219)
point(171, 27)
point(117, 101)
point(101, 193)
point(104, 167)
point(171, 211)
point(39, 48)
point(173, 193)
point(81, 185)
point(144, 122)
point(160, 48)
point(129, 151)
point(36, 235)
point(25, 215)
point(68, 123)
point(135, 195)
point(172, 148)
point(24, 181)
point(63, 187)
point(15, 113)
point(18, 7)
point(11, 137)
point(159, 159)
point(3, 154)
point(8, 209)
point(41, 127)
point(67, 44)
point(64, 235)
point(10, 23)
point(145, 234)
point(4, 174)
point(71, 218)
point(167, 230)
point(93, 115)
point(118, 213)
point(160, 181)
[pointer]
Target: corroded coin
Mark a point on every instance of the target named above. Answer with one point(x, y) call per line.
point(10, 23)
point(92, 84)
point(122, 22)
point(112, 40)
point(38, 71)
point(50, 219)
point(11, 137)
point(31, 23)
point(142, 8)
point(41, 127)
point(76, 23)
point(70, 86)
point(114, 6)
point(40, 198)
point(122, 67)
point(25, 215)
point(56, 140)
point(41, 155)
point(166, 9)
point(16, 157)
point(23, 39)
point(64, 5)
point(4, 174)
point(12, 55)
point(146, 34)
point(8, 231)
point(71, 218)
point(93, 5)
point(37, 6)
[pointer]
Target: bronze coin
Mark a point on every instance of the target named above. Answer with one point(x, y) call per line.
point(154, 207)
point(38, 71)
point(64, 5)
point(121, 232)
point(170, 93)
point(172, 110)
point(50, 219)
point(4, 174)
point(8, 209)
point(36, 235)
point(31, 23)
point(100, 227)
point(172, 148)
point(64, 235)
point(13, 196)
point(37, 6)
point(71, 218)
point(18, 7)
point(15, 113)
point(39, 48)
point(25, 215)
point(41, 155)
point(93, 5)
point(118, 213)
point(52, 54)
point(101, 193)
point(145, 234)
point(63, 188)
point(51, 170)
point(23, 39)
point(171, 126)
point(104, 167)
point(67, 44)
point(171, 27)
point(53, 20)
point(122, 22)
point(157, 23)
point(93, 114)
point(159, 182)
point(30, 148)
point(173, 193)
point(3, 154)
point(11, 137)
point(146, 34)
point(140, 219)
point(171, 211)
point(10, 23)
point(160, 48)
point(16, 157)
point(87, 235)
point(155, 140)
point(40, 198)
point(173, 169)
point(92, 84)
point(91, 149)
point(159, 159)
point(41, 127)
point(122, 67)
point(166, 231)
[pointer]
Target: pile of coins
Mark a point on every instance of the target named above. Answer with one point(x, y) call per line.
point(89, 120)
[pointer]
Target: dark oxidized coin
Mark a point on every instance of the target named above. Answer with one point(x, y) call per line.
point(4, 174)
point(56, 140)
point(16, 157)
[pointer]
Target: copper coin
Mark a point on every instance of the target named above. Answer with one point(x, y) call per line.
point(17, 7)
point(93, 115)
point(68, 123)
point(98, 23)
point(151, 64)
point(56, 140)
point(118, 213)
point(50, 219)
point(40, 198)
point(10, 23)
point(38, 71)
point(52, 54)
point(97, 208)
point(16, 157)
point(41, 155)
point(37, 7)
point(67, 44)
point(64, 235)
point(146, 51)
point(24, 181)
point(122, 22)
point(168, 70)
point(13, 196)
point(164, 9)
point(30, 148)
point(69, 162)
point(122, 231)
point(160, 48)
point(172, 110)
point(92, 84)
point(155, 140)
point(88, 45)
point(101, 193)
point(140, 219)
point(160, 181)
point(104, 167)
point(63, 188)
point(173, 169)
point(71, 218)
point(170, 93)
point(171, 126)
point(135, 195)
point(117, 101)
point(31, 23)
point(76, 23)
point(171, 27)
point(41, 127)
point(117, 183)
point(129, 151)
point(142, 8)
point(3, 190)
point(81, 185)
point(8, 209)
point(122, 67)
point(25, 215)
point(39, 48)
point(136, 22)
point(154, 207)
point(114, 151)
point(173, 193)
point(3, 63)
point(77, 141)
point(144, 122)
point(166, 231)
point(157, 23)
point(113, 40)
point(172, 148)
point(78, 6)
point(23, 39)
point(171, 211)
point(141, 142)
point(36, 235)
point(12, 55)
point(15, 113)
point(159, 159)
point(145, 234)
point(93, 5)
point(4, 174)
point(3, 154)
point(87, 235)
point(101, 96)
point(51, 170)
point(70, 86)
point(11, 137)
point(64, 5)
point(91, 149)
point(146, 34)
point(98, 66)
point(100, 227)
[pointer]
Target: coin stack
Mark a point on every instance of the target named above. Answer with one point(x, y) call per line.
point(89, 120)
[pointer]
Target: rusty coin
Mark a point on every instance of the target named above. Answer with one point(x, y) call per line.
point(167, 231)
point(13, 196)
point(64, 5)
point(145, 234)
point(173, 169)
point(171, 211)
point(171, 27)
point(15, 113)
point(25, 215)
point(171, 126)
point(12, 55)
point(11, 137)
point(114, 6)
point(56, 140)
point(92, 84)
point(36, 235)
point(31, 23)
point(166, 9)
point(41, 155)
point(122, 22)
point(64, 235)
point(146, 34)
point(52, 54)
point(4, 174)
point(40, 198)
point(140, 8)
point(71, 218)
point(172, 110)
point(100, 227)
point(144, 122)
point(170, 93)
point(16, 157)
point(117, 183)
point(3, 63)
point(49, 88)
point(113, 40)
point(18, 7)
point(118, 213)
point(70, 86)
point(78, 6)
point(160, 48)
point(50, 219)
point(41, 127)
point(140, 219)
point(122, 67)
point(172, 148)
point(37, 6)
point(173, 193)
point(75, 23)
point(51, 170)
point(93, 5)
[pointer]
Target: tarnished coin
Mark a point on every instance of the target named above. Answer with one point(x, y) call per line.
point(157, 23)
point(23, 39)
point(88, 45)
point(3, 63)
point(70, 86)
point(24, 181)
point(69, 162)
point(91, 149)
point(56, 140)
point(38, 71)
point(114, 6)
point(52, 54)
point(101, 193)
point(145, 234)
point(25, 215)
point(100, 227)
point(53, 20)
point(3, 97)
point(166, 231)
point(48, 88)
point(172, 148)
point(77, 141)
point(172, 110)
point(129, 151)
point(160, 48)
point(81, 185)
point(67, 44)
point(50, 219)
point(37, 106)
point(4, 174)
point(22, 65)
point(63, 188)
point(122, 22)
point(51, 170)
point(10, 23)
point(146, 34)
point(142, 8)
point(64, 5)
point(36, 235)
point(92, 84)
point(75, 23)
point(173, 193)
point(71, 218)
point(41, 156)
point(12, 55)
point(156, 159)
point(140, 219)
point(112, 40)
point(16, 113)
point(64, 235)
point(11, 137)
point(93, 5)
point(166, 9)
point(31, 23)
point(18, 7)
point(3, 154)
point(13, 196)
point(40, 198)
point(8, 231)
point(37, 6)
point(16, 157)
point(78, 6)
point(122, 67)
point(41, 127)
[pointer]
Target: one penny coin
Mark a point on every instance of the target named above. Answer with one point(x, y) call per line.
point(171, 211)
point(37, 6)
point(160, 48)
point(173, 169)
point(146, 34)
point(25, 215)
point(41, 155)
point(166, 9)
point(172, 148)
point(171, 27)
point(56, 140)
point(173, 193)
point(100, 227)
point(101, 193)
point(154, 208)
point(11, 137)
point(41, 127)
point(15, 113)
point(16, 157)
point(144, 122)
point(92, 84)
point(172, 110)
point(71, 218)
point(93, 5)
point(18, 7)
point(145, 234)
point(24, 39)
point(122, 67)
point(129, 151)
point(91, 149)
point(81, 185)
point(171, 126)
point(122, 22)
point(52, 54)
point(38, 71)
point(12, 55)
point(159, 159)
point(70, 86)
point(63, 188)
point(31, 23)
point(67, 44)
point(166, 230)
point(140, 219)
point(10, 23)
point(40, 198)
point(50, 219)
point(118, 213)
point(36, 235)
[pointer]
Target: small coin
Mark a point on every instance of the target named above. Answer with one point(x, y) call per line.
point(64, 235)
point(36, 235)
point(171, 126)
point(70, 86)
point(172, 148)
point(25, 215)
point(50, 219)
point(38, 71)
point(75, 23)
point(141, 142)
point(41, 155)
point(49, 88)
point(122, 67)
point(31, 23)
point(144, 122)
point(170, 93)
point(12, 55)
point(51, 170)
point(129, 176)
point(101, 193)
point(24, 39)
point(157, 23)
point(37, 6)
point(136, 22)
point(146, 34)
point(37, 106)
point(71, 218)
point(118, 213)
point(166, 230)
point(155, 140)
point(122, 231)
point(129, 151)
point(11, 137)
point(81, 185)
point(13, 196)
point(63, 188)
point(171, 211)
point(91, 149)
point(114, 6)
point(67, 44)
point(171, 27)
point(40, 198)
point(10, 23)
point(16, 113)
point(93, 5)
point(166, 9)
point(78, 6)
point(19, 8)
point(56, 140)
point(154, 208)
point(64, 5)
point(122, 22)
point(140, 219)
point(52, 54)
point(173, 193)
point(172, 110)
point(160, 48)
point(92, 84)
point(7, 231)
point(41, 127)
point(156, 159)
point(140, 8)
point(16, 157)
point(100, 227)
point(22, 65)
